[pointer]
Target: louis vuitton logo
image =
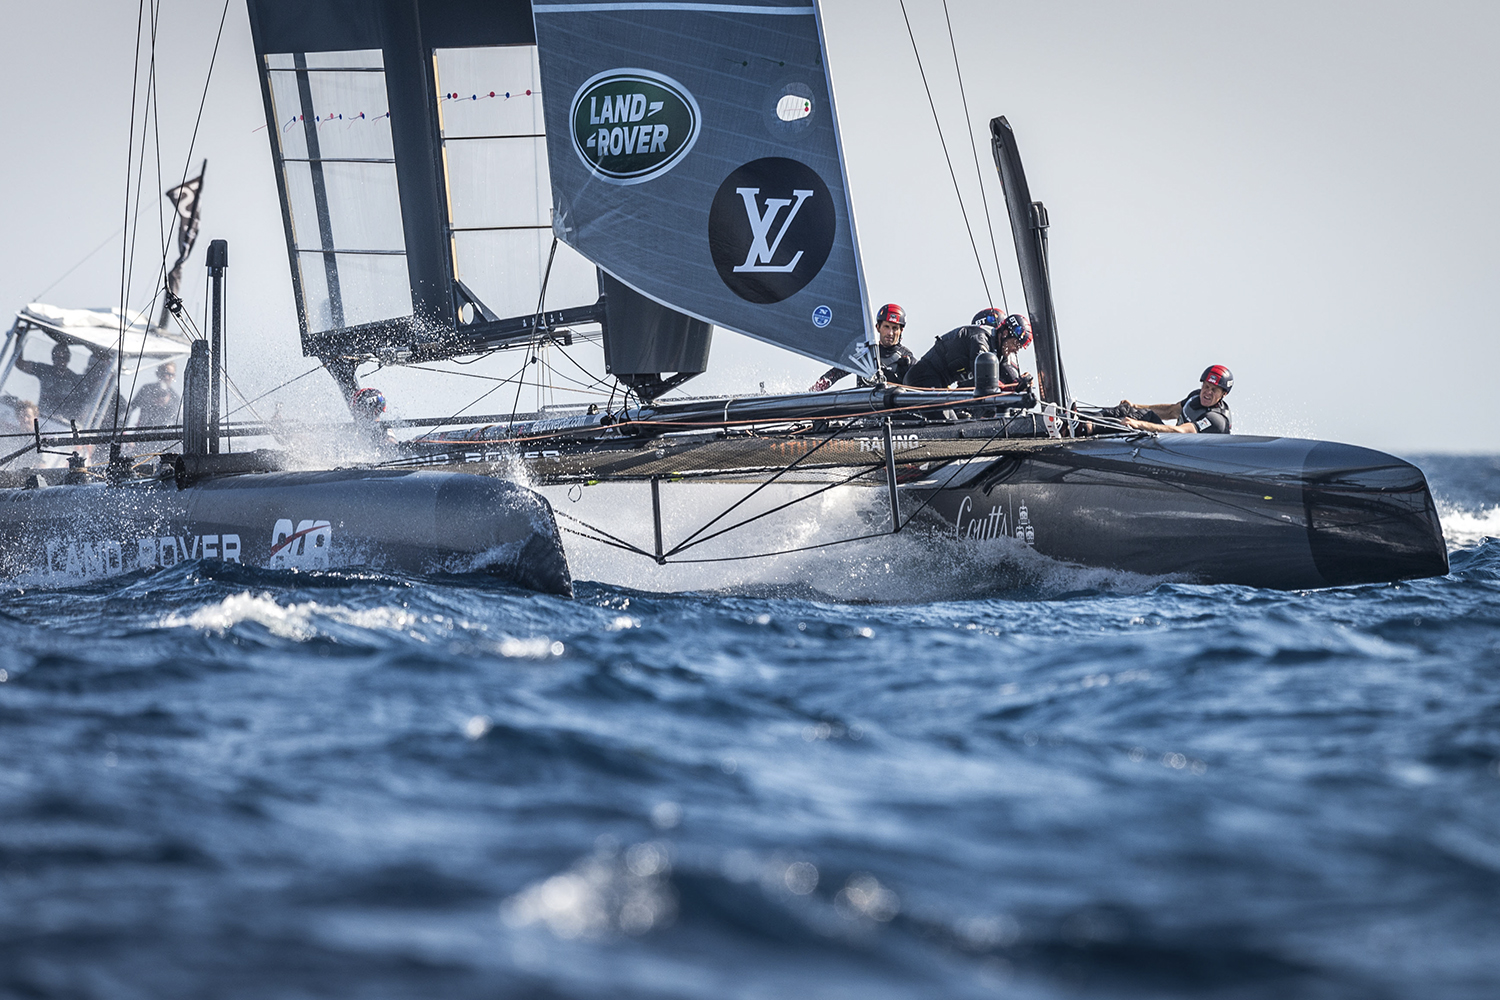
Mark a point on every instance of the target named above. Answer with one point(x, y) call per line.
point(758, 260)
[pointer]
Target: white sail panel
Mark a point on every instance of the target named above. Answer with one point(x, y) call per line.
point(334, 136)
point(498, 189)
point(695, 156)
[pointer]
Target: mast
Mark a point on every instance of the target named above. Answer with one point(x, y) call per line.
point(1028, 225)
point(218, 262)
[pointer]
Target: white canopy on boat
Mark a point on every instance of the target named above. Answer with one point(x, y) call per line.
point(99, 330)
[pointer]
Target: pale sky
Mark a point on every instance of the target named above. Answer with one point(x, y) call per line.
point(1305, 192)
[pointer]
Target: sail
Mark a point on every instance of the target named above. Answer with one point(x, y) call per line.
point(694, 155)
point(406, 141)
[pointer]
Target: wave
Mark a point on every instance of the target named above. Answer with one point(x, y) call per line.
point(290, 621)
point(1464, 528)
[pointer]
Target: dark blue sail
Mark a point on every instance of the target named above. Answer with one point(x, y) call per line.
point(694, 155)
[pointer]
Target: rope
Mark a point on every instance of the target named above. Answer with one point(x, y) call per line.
point(536, 329)
point(621, 544)
point(974, 148)
point(722, 423)
point(951, 173)
point(686, 542)
point(767, 513)
point(135, 77)
point(141, 209)
point(152, 95)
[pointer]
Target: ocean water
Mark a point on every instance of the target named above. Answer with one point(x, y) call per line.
point(218, 783)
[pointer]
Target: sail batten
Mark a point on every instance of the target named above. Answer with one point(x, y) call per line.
point(694, 156)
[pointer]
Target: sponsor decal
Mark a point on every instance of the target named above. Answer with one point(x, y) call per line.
point(633, 125)
point(971, 526)
point(899, 442)
point(770, 229)
point(822, 316)
point(305, 546)
point(88, 559)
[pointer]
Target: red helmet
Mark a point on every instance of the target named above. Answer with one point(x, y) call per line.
point(891, 313)
point(1018, 326)
point(988, 317)
point(1220, 376)
point(368, 400)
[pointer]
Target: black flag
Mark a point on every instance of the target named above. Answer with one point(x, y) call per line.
point(185, 198)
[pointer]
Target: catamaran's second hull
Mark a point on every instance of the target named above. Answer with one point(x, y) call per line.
point(1266, 512)
point(402, 521)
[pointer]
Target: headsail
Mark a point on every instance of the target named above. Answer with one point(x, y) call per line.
point(695, 156)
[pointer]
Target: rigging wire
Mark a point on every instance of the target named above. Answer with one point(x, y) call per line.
point(192, 143)
point(984, 280)
point(257, 399)
point(129, 165)
point(152, 94)
point(594, 380)
point(959, 466)
point(150, 109)
point(536, 329)
point(86, 257)
point(989, 222)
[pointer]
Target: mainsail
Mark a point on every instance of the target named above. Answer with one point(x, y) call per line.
point(406, 138)
point(694, 155)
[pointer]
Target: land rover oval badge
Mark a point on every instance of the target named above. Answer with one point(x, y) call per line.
point(632, 125)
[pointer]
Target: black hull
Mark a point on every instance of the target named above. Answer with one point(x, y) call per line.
point(1264, 512)
point(402, 521)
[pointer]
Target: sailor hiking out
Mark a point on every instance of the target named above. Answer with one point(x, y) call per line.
point(952, 356)
point(1204, 412)
point(895, 360)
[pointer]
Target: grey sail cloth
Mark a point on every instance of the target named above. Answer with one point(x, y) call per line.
point(694, 156)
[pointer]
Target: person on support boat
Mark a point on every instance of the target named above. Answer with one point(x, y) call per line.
point(1204, 412)
point(952, 356)
point(157, 404)
point(890, 323)
point(59, 384)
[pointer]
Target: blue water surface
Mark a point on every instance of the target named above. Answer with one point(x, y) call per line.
point(222, 783)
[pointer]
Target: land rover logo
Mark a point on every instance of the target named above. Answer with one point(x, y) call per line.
point(770, 229)
point(631, 125)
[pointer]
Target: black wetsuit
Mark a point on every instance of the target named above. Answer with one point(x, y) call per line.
point(1133, 412)
point(1206, 420)
point(951, 358)
point(1010, 372)
point(59, 384)
point(157, 404)
point(1211, 420)
point(895, 360)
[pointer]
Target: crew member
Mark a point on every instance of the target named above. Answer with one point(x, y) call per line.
point(59, 384)
point(1014, 337)
point(1204, 412)
point(952, 356)
point(890, 322)
point(367, 405)
point(157, 404)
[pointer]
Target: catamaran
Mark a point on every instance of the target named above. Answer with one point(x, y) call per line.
point(459, 180)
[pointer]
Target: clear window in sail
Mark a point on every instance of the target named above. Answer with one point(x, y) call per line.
point(499, 196)
point(334, 140)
